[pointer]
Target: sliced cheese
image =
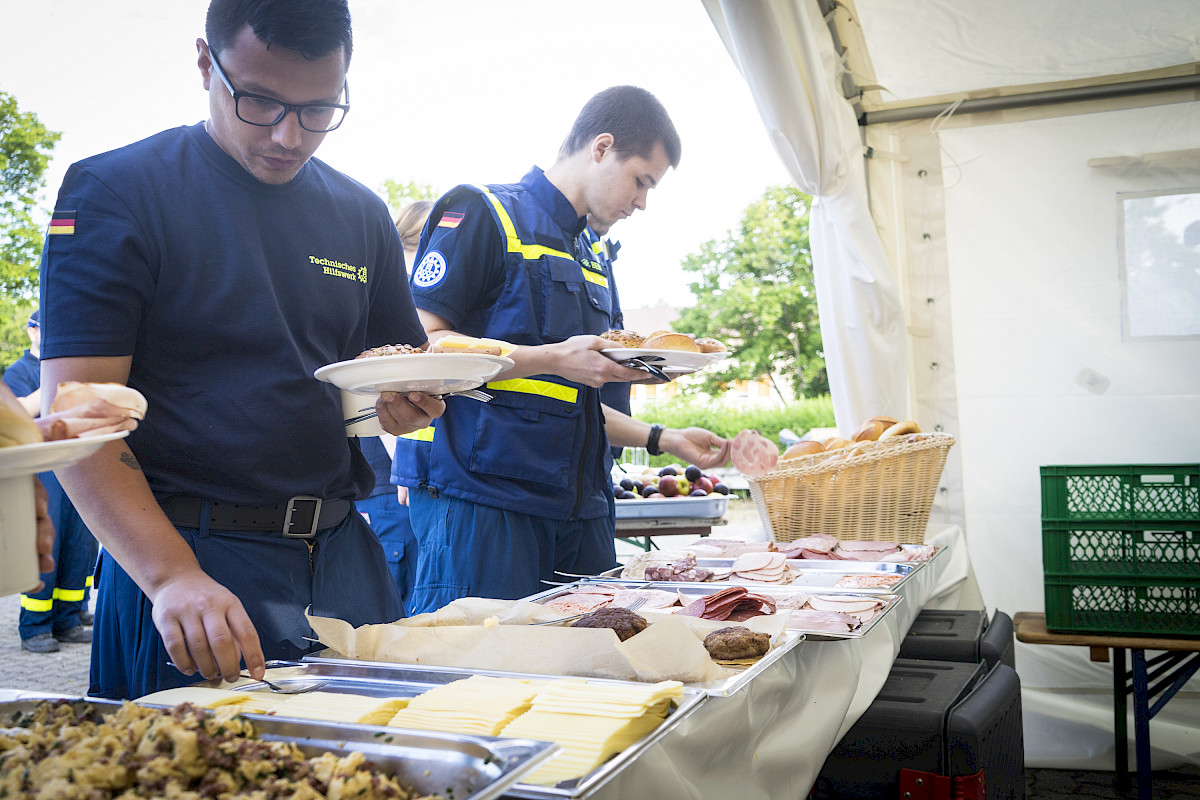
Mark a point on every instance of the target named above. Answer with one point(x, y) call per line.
point(337, 707)
point(456, 341)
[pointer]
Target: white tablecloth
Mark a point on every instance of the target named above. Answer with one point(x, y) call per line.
point(770, 739)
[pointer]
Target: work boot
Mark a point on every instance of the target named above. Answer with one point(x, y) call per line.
point(76, 635)
point(86, 618)
point(42, 643)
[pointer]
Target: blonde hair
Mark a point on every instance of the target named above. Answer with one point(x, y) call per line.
point(411, 221)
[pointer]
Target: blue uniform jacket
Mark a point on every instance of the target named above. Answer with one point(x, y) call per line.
point(539, 447)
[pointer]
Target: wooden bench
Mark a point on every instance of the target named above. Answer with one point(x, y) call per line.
point(1170, 670)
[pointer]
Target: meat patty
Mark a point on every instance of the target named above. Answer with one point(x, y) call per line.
point(622, 621)
point(736, 642)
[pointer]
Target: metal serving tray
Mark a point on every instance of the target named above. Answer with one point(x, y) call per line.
point(816, 575)
point(692, 591)
point(381, 679)
point(711, 507)
point(450, 765)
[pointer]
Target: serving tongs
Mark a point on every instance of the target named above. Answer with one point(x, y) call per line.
point(637, 363)
point(474, 394)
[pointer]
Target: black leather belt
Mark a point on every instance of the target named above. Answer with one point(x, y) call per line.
point(300, 518)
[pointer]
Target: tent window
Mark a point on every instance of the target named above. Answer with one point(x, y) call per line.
point(1160, 264)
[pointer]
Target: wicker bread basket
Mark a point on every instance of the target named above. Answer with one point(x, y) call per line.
point(880, 491)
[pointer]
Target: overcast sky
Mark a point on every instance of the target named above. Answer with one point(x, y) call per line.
point(442, 93)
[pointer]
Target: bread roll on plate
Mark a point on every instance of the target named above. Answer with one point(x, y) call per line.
point(623, 338)
point(671, 341)
point(708, 344)
point(16, 426)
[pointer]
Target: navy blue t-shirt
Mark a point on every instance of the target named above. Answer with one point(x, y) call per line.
point(24, 376)
point(228, 293)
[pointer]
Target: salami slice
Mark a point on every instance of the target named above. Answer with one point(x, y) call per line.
point(753, 454)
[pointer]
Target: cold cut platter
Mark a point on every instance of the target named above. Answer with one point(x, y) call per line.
point(816, 614)
point(761, 569)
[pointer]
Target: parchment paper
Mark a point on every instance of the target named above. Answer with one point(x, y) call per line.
point(476, 633)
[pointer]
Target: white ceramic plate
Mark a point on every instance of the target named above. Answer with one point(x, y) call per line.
point(677, 361)
point(435, 373)
point(28, 459)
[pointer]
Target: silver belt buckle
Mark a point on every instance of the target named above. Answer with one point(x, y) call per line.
point(296, 509)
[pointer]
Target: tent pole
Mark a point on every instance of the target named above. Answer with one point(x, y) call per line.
point(1030, 99)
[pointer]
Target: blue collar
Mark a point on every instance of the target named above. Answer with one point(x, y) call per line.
point(553, 201)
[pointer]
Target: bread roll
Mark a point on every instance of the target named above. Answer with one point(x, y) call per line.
point(709, 345)
point(869, 431)
point(457, 343)
point(806, 448)
point(899, 429)
point(74, 393)
point(671, 341)
point(887, 421)
point(835, 443)
point(16, 426)
point(623, 338)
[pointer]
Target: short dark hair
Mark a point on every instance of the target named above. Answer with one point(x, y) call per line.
point(313, 28)
point(635, 118)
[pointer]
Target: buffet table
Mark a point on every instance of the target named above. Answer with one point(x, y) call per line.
point(770, 739)
point(633, 530)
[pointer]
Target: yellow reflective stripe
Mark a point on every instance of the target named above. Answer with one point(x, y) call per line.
point(599, 280)
point(515, 245)
point(544, 388)
point(68, 595)
point(33, 604)
point(89, 583)
point(423, 435)
point(597, 247)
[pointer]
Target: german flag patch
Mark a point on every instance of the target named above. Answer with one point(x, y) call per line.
point(63, 222)
point(450, 219)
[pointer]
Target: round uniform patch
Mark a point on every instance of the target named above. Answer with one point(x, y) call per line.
point(431, 270)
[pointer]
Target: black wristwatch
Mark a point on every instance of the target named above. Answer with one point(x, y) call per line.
point(652, 441)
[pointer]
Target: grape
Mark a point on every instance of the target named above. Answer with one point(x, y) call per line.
point(698, 493)
point(667, 471)
point(721, 488)
point(626, 484)
point(693, 473)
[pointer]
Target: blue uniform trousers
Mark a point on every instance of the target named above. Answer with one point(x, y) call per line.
point(388, 517)
point(276, 579)
point(56, 607)
point(472, 550)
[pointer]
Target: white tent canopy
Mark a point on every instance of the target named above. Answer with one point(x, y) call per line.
point(978, 169)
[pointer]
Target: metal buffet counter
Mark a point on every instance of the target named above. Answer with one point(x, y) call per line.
point(769, 740)
point(762, 734)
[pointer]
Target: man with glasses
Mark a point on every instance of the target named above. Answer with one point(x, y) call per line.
point(214, 267)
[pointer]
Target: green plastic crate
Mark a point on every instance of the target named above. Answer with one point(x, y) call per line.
point(1121, 492)
point(1121, 549)
point(1136, 606)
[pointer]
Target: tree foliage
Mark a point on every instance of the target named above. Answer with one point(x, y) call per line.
point(399, 194)
point(25, 146)
point(755, 292)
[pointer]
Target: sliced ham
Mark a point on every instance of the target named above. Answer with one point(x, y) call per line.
point(753, 454)
point(847, 605)
point(826, 621)
point(867, 581)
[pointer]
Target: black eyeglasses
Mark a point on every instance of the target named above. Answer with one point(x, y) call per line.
point(257, 109)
